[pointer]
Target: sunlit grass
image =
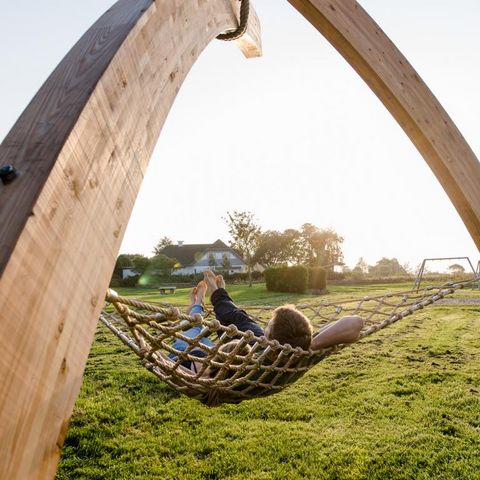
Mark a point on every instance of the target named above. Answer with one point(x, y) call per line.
point(403, 404)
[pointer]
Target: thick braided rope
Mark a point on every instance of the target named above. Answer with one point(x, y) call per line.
point(268, 367)
point(244, 376)
point(242, 27)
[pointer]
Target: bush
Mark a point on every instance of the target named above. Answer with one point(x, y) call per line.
point(317, 278)
point(116, 281)
point(241, 277)
point(335, 275)
point(234, 277)
point(287, 279)
point(257, 276)
point(154, 280)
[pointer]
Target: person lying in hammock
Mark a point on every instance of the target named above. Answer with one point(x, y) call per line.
point(287, 325)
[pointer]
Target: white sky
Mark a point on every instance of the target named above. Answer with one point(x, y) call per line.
point(295, 136)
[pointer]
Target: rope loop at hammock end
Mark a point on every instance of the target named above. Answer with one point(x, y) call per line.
point(242, 27)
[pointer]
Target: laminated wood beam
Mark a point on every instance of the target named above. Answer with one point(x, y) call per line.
point(346, 25)
point(81, 149)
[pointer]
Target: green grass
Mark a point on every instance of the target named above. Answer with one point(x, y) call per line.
point(403, 404)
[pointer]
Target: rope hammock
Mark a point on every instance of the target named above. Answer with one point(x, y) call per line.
point(252, 366)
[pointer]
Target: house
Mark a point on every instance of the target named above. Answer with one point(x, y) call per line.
point(128, 272)
point(196, 258)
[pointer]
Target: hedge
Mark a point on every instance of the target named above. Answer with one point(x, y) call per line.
point(184, 280)
point(335, 275)
point(287, 279)
point(317, 278)
point(116, 281)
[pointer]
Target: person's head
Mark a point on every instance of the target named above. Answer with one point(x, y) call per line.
point(288, 325)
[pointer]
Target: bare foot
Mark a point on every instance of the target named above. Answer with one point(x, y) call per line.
point(201, 290)
point(193, 295)
point(210, 280)
point(220, 281)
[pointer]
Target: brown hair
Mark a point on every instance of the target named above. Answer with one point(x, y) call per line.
point(288, 325)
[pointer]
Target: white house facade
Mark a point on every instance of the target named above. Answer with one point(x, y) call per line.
point(196, 258)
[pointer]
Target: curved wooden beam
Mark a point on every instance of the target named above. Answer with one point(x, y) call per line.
point(387, 72)
point(81, 149)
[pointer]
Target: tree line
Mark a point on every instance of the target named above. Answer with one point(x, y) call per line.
point(309, 245)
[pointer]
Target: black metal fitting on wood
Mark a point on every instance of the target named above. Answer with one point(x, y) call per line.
point(8, 174)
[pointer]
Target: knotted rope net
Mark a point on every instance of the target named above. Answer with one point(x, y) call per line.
point(251, 366)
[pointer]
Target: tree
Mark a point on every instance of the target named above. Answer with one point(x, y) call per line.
point(123, 261)
point(408, 269)
point(295, 251)
point(226, 265)
point(346, 270)
point(162, 264)
point(387, 267)
point(245, 234)
point(322, 247)
point(162, 243)
point(138, 263)
point(361, 266)
point(456, 268)
point(360, 269)
point(211, 260)
point(274, 248)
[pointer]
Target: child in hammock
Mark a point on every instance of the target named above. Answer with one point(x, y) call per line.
point(287, 324)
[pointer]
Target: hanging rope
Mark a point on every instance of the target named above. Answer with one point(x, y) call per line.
point(242, 27)
point(250, 366)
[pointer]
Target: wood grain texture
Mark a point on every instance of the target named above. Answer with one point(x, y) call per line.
point(82, 147)
point(387, 72)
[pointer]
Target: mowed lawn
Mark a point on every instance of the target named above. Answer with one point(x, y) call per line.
point(402, 404)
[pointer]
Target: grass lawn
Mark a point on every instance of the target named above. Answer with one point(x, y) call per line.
point(402, 404)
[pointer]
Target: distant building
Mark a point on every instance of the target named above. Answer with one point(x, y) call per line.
point(128, 272)
point(197, 258)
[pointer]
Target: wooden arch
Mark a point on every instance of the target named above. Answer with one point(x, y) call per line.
point(81, 149)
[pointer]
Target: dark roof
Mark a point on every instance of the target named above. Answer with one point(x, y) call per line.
point(186, 254)
point(219, 245)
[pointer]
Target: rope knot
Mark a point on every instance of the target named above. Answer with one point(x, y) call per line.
point(231, 331)
point(275, 344)
point(197, 319)
point(173, 312)
point(213, 325)
point(249, 336)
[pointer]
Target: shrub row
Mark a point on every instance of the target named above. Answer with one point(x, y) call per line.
point(295, 279)
point(335, 275)
point(287, 279)
point(125, 282)
point(177, 280)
